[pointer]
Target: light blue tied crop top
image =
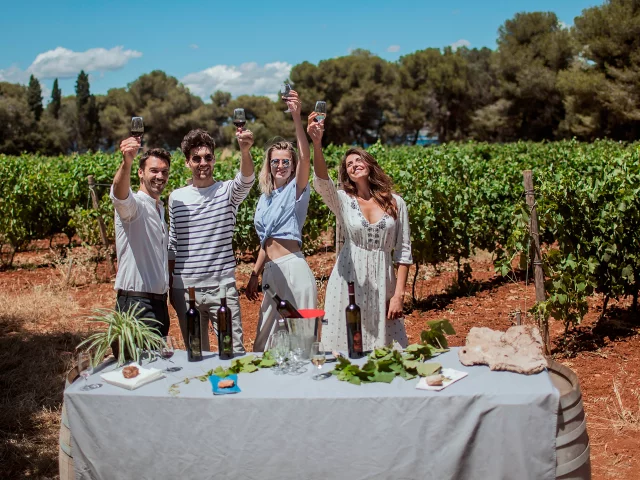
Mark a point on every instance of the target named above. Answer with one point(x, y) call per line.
point(280, 215)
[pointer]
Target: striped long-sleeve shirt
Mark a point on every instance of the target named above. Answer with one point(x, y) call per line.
point(202, 221)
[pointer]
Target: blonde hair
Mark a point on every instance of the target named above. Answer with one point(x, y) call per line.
point(265, 179)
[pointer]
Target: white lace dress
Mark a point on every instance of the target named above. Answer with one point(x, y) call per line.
point(367, 259)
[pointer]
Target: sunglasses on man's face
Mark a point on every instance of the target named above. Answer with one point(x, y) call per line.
point(276, 161)
point(197, 158)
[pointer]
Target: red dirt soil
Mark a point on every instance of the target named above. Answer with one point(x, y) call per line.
point(604, 354)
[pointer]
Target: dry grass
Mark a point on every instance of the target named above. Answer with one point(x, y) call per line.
point(624, 418)
point(78, 267)
point(36, 349)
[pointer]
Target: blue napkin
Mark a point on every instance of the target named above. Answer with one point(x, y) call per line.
point(214, 379)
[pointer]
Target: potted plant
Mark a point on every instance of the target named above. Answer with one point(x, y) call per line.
point(124, 333)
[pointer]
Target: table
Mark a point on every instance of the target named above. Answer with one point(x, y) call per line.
point(487, 426)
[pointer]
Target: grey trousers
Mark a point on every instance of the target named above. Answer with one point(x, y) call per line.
point(207, 303)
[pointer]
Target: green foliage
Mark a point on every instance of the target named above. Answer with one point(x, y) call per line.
point(56, 100)
point(34, 97)
point(386, 363)
point(126, 330)
point(244, 364)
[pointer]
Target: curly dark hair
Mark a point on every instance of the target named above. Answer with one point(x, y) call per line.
point(160, 153)
point(380, 183)
point(196, 138)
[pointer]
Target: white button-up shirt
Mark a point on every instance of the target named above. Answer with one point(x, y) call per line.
point(141, 242)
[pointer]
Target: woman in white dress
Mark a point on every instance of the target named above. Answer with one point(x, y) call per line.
point(375, 225)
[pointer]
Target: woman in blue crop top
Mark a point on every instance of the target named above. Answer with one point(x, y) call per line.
point(280, 215)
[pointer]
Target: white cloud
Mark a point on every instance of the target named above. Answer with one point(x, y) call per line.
point(64, 63)
point(246, 79)
point(460, 43)
point(14, 74)
point(393, 48)
point(194, 46)
point(564, 25)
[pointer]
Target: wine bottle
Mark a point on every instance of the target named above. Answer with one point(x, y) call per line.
point(354, 325)
point(194, 345)
point(225, 339)
point(284, 307)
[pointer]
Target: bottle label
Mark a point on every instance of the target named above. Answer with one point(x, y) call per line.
point(226, 344)
point(357, 342)
point(195, 345)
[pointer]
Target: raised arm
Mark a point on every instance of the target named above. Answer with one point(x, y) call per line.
point(315, 131)
point(122, 180)
point(304, 162)
point(245, 141)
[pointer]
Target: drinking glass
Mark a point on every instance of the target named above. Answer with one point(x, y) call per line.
point(137, 128)
point(284, 93)
point(318, 358)
point(85, 368)
point(321, 108)
point(167, 350)
point(296, 354)
point(239, 118)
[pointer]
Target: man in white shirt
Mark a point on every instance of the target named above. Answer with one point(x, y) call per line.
point(141, 234)
point(202, 219)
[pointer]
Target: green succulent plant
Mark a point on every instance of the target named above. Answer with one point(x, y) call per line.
point(125, 331)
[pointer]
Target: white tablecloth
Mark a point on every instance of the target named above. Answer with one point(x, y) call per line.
point(487, 426)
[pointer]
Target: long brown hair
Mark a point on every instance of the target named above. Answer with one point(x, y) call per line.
point(380, 183)
point(265, 179)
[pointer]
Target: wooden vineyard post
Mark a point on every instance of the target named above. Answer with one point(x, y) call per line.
point(103, 229)
point(537, 257)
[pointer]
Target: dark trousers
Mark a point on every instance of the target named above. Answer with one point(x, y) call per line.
point(151, 308)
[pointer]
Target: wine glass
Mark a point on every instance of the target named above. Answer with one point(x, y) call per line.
point(85, 369)
point(284, 93)
point(321, 109)
point(296, 354)
point(137, 128)
point(167, 350)
point(239, 118)
point(318, 358)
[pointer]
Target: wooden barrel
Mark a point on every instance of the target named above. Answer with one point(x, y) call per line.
point(572, 441)
point(65, 456)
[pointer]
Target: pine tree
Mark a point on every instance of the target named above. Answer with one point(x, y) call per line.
point(88, 114)
point(56, 100)
point(34, 97)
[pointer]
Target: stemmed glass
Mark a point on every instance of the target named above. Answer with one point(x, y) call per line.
point(137, 128)
point(318, 358)
point(279, 346)
point(239, 118)
point(321, 109)
point(167, 350)
point(284, 93)
point(296, 354)
point(85, 368)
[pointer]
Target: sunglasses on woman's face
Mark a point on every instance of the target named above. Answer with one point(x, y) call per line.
point(276, 161)
point(207, 158)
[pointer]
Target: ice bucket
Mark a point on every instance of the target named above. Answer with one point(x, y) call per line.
point(305, 329)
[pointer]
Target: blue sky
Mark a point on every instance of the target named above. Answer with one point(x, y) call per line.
point(241, 47)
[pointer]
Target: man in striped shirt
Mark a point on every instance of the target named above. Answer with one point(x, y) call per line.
point(202, 219)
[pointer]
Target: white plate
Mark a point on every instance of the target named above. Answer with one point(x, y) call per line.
point(451, 376)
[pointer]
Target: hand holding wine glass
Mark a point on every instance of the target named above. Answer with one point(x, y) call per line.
point(245, 140)
point(315, 129)
point(293, 103)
